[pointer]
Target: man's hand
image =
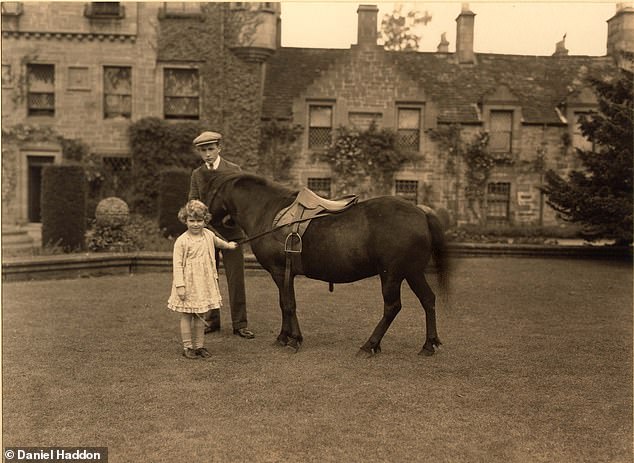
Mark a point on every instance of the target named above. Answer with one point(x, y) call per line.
point(180, 290)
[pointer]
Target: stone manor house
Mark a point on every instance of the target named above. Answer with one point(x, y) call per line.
point(88, 70)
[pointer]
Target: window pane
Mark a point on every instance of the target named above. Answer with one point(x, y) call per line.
point(407, 189)
point(41, 77)
point(498, 199)
point(409, 118)
point(41, 89)
point(320, 116)
point(501, 131)
point(319, 137)
point(117, 85)
point(117, 80)
point(181, 82)
point(321, 186)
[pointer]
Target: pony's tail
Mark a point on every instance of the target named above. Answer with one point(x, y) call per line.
point(439, 249)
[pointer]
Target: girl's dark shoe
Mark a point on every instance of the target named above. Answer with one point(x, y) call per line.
point(202, 352)
point(189, 353)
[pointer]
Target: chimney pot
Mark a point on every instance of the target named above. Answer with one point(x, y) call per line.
point(367, 25)
point(464, 35)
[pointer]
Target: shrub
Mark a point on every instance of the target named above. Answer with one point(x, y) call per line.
point(173, 191)
point(156, 145)
point(141, 233)
point(63, 203)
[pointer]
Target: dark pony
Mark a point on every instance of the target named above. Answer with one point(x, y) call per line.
point(383, 236)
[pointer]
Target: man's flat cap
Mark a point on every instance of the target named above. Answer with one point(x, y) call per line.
point(206, 138)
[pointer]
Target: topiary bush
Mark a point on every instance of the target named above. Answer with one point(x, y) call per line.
point(63, 203)
point(156, 145)
point(173, 192)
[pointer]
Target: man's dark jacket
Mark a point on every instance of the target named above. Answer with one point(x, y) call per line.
point(202, 181)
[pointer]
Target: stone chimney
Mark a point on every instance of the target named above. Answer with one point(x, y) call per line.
point(560, 47)
point(621, 30)
point(464, 35)
point(367, 30)
point(443, 46)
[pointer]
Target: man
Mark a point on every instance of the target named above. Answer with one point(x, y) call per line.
point(208, 146)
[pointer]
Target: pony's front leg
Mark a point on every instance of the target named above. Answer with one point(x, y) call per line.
point(290, 334)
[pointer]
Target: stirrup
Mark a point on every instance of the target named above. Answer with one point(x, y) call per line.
point(290, 238)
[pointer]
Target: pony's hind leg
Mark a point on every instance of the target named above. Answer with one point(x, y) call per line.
point(427, 298)
point(290, 334)
point(391, 289)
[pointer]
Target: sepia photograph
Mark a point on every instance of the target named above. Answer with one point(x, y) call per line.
point(317, 232)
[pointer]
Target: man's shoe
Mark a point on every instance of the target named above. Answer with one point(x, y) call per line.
point(202, 352)
point(244, 333)
point(189, 353)
point(212, 328)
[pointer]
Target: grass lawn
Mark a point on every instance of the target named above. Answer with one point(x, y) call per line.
point(536, 366)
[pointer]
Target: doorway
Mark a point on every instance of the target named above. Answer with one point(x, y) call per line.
point(35, 164)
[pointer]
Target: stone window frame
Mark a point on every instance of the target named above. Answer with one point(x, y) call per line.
point(100, 10)
point(31, 110)
point(129, 116)
point(493, 199)
point(402, 189)
point(319, 103)
point(193, 67)
point(12, 8)
point(502, 99)
point(185, 12)
point(420, 107)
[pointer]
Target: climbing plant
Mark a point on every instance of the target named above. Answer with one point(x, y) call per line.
point(278, 149)
point(366, 159)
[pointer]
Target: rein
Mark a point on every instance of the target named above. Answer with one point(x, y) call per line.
point(266, 232)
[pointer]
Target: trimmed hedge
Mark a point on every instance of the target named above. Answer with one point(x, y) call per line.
point(173, 192)
point(157, 145)
point(63, 202)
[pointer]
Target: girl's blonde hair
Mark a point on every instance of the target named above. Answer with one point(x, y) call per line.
point(196, 210)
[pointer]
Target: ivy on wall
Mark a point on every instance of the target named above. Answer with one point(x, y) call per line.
point(365, 159)
point(475, 158)
point(278, 149)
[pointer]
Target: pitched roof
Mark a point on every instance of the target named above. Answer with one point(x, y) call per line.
point(540, 83)
point(289, 72)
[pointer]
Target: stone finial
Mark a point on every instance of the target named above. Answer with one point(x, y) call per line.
point(443, 46)
point(560, 47)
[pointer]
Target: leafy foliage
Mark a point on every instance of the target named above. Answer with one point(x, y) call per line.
point(64, 206)
point(278, 149)
point(173, 191)
point(399, 31)
point(358, 156)
point(600, 196)
point(157, 145)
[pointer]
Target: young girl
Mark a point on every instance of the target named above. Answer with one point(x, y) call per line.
point(195, 283)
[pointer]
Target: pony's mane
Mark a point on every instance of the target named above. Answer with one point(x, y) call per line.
point(254, 179)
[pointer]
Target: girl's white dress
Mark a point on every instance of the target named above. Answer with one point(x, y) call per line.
point(194, 266)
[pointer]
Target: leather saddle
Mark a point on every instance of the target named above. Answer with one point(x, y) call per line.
point(308, 205)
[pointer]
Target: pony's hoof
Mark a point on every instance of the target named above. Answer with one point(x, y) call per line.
point(368, 352)
point(293, 346)
point(426, 352)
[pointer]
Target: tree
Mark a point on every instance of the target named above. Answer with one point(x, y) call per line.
point(398, 31)
point(599, 197)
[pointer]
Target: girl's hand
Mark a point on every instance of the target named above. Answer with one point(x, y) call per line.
point(232, 244)
point(181, 292)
